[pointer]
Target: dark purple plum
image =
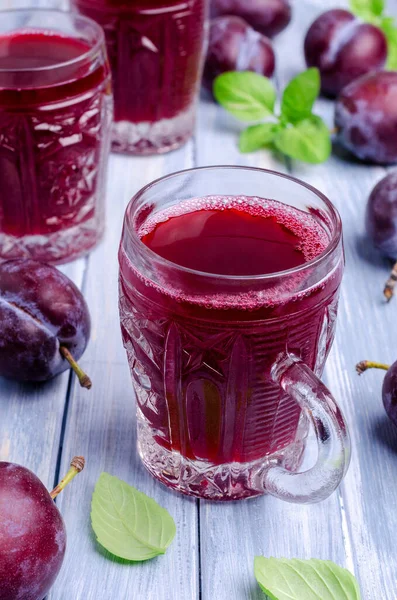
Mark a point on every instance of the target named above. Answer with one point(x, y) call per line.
point(235, 46)
point(389, 393)
point(269, 17)
point(343, 48)
point(43, 318)
point(389, 388)
point(366, 117)
point(381, 223)
point(32, 533)
point(381, 215)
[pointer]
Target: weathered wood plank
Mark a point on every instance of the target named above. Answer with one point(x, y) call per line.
point(366, 328)
point(101, 426)
point(15, 4)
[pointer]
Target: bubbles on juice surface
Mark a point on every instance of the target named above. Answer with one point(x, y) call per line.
point(237, 293)
point(313, 238)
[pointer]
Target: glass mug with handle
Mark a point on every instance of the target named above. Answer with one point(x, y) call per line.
point(229, 283)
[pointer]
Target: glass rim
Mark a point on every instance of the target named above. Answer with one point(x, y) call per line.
point(314, 262)
point(52, 11)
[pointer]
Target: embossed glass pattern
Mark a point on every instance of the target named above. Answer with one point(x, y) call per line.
point(218, 383)
point(54, 135)
point(155, 49)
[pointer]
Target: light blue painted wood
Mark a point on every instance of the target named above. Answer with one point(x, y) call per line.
point(16, 4)
point(366, 329)
point(355, 527)
point(101, 426)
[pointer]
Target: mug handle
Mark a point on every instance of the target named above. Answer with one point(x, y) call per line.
point(316, 484)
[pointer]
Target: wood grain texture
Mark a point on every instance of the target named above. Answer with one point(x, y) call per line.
point(366, 326)
point(102, 428)
point(17, 4)
point(355, 527)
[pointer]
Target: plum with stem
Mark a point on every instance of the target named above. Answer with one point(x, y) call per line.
point(32, 532)
point(389, 388)
point(44, 322)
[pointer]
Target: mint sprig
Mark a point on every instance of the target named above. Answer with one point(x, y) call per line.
point(372, 11)
point(293, 579)
point(128, 523)
point(296, 131)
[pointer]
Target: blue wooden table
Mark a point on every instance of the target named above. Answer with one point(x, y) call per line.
point(212, 555)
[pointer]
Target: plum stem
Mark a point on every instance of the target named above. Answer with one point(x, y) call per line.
point(76, 466)
point(391, 284)
point(83, 378)
point(364, 365)
point(334, 130)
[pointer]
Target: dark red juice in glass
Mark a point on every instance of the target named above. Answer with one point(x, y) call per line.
point(55, 115)
point(206, 311)
point(156, 50)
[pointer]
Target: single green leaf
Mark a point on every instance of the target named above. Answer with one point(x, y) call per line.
point(300, 95)
point(248, 96)
point(367, 8)
point(127, 522)
point(308, 141)
point(388, 25)
point(283, 579)
point(377, 7)
point(389, 28)
point(391, 64)
point(257, 136)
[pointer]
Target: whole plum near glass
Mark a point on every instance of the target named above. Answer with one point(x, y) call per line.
point(32, 532)
point(343, 48)
point(389, 393)
point(44, 322)
point(235, 46)
point(381, 215)
point(381, 223)
point(366, 117)
point(389, 388)
point(269, 17)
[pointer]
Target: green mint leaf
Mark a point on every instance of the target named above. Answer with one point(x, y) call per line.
point(377, 7)
point(367, 8)
point(391, 64)
point(360, 7)
point(308, 141)
point(257, 136)
point(389, 28)
point(127, 522)
point(248, 96)
point(300, 95)
point(283, 579)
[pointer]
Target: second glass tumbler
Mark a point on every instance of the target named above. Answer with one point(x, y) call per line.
point(156, 50)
